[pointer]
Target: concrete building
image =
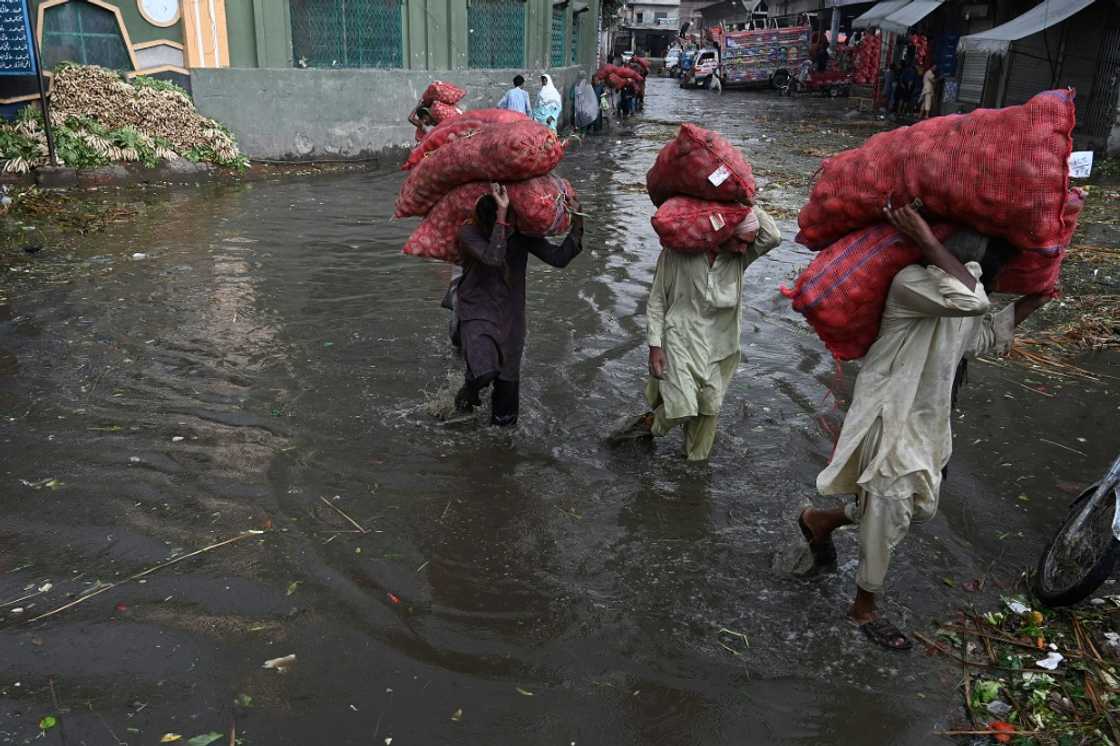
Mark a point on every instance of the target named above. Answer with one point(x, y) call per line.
point(319, 78)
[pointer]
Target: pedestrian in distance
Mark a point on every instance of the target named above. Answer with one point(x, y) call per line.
point(490, 300)
point(890, 86)
point(421, 118)
point(585, 105)
point(929, 82)
point(517, 98)
point(896, 440)
point(907, 89)
point(549, 104)
point(694, 314)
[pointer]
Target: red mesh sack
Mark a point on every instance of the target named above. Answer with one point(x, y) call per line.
point(444, 93)
point(615, 82)
point(540, 205)
point(442, 112)
point(644, 63)
point(1001, 172)
point(468, 124)
point(514, 152)
point(699, 163)
point(1031, 271)
point(436, 237)
point(693, 225)
point(843, 291)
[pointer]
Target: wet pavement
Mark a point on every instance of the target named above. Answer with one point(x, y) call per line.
point(272, 348)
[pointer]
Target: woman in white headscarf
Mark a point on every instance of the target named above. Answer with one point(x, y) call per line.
point(549, 104)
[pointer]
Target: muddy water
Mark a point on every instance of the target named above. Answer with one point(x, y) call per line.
point(272, 348)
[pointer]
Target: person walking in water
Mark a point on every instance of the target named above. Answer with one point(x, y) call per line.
point(695, 309)
point(896, 438)
point(517, 98)
point(490, 301)
point(549, 104)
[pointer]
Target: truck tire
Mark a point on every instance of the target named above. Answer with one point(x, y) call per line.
point(781, 79)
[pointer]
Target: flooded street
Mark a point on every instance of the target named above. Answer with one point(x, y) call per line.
point(272, 348)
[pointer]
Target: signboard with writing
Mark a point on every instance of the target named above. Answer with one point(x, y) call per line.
point(16, 53)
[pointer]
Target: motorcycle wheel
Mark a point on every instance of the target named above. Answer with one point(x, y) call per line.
point(1072, 566)
point(780, 80)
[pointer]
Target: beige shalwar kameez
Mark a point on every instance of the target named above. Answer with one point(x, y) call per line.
point(896, 437)
point(694, 313)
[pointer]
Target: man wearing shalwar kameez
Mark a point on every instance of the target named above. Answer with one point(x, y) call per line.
point(896, 439)
point(694, 312)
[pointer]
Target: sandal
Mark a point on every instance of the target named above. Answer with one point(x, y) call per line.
point(824, 552)
point(881, 631)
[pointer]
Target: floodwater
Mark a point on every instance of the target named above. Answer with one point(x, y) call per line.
point(273, 348)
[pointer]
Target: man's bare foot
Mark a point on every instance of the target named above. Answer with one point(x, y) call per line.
point(819, 537)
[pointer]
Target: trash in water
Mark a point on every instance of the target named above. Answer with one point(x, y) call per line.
point(457, 715)
point(1051, 661)
point(999, 708)
point(205, 739)
point(281, 665)
point(170, 738)
point(139, 255)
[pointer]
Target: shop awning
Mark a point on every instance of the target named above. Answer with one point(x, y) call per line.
point(1038, 18)
point(907, 16)
point(877, 13)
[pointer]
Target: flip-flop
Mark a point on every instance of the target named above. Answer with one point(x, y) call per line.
point(824, 552)
point(885, 634)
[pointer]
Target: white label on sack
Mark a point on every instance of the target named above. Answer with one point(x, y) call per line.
point(719, 176)
point(716, 220)
point(1080, 164)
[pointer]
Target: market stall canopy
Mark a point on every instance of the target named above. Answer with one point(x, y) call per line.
point(878, 12)
point(1038, 18)
point(909, 15)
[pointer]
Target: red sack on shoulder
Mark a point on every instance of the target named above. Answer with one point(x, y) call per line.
point(694, 226)
point(1031, 271)
point(442, 112)
point(540, 205)
point(701, 164)
point(844, 289)
point(514, 152)
point(470, 122)
point(1001, 172)
point(437, 236)
point(444, 93)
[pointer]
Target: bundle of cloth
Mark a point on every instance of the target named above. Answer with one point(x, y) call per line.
point(456, 167)
point(704, 191)
point(1003, 173)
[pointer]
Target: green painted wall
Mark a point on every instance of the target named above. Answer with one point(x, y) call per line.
point(242, 33)
point(435, 34)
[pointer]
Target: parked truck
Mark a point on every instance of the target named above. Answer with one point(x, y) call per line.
point(769, 56)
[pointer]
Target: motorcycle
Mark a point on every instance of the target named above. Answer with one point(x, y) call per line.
point(1085, 550)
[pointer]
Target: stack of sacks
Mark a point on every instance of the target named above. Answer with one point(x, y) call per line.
point(441, 98)
point(703, 189)
point(467, 125)
point(1002, 173)
point(867, 60)
point(921, 50)
point(447, 180)
point(617, 77)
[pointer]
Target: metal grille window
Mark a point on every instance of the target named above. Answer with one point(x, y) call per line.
point(497, 33)
point(348, 33)
point(575, 38)
point(559, 25)
point(83, 33)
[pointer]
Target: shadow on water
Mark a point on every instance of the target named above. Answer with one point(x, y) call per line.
point(274, 349)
